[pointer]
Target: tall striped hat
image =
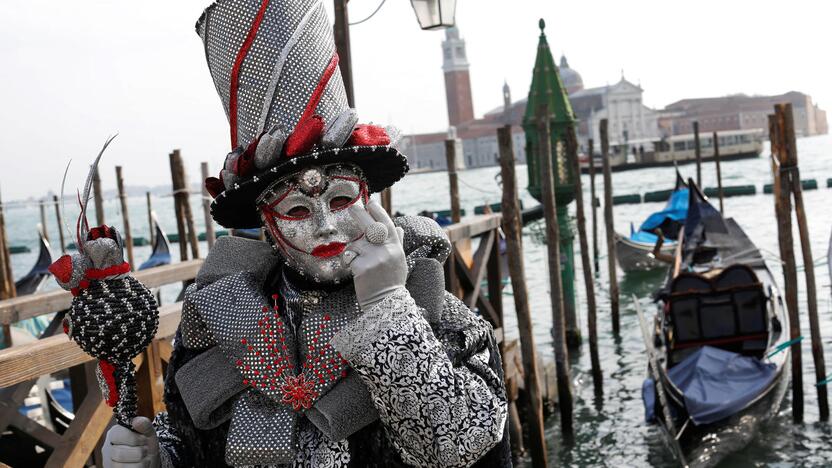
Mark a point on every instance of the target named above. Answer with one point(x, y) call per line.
point(274, 65)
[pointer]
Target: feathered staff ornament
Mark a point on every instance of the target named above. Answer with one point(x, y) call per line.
point(113, 316)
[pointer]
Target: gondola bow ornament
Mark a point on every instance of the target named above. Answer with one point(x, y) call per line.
point(113, 316)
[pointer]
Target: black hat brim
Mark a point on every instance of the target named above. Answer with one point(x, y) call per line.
point(235, 207)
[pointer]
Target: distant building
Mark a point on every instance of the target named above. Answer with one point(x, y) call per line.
point(477, 145)
point(739, 112)
point(457, 78)
point(621, 104)
point(629, 120)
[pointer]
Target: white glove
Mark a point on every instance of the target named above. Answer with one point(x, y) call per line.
point(378, 269)
point(124, 448)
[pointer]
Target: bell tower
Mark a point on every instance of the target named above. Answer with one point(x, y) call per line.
point(457, 79)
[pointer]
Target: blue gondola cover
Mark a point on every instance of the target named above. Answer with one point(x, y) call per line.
point(648, 396)
point(676, 209)
point(718, 383)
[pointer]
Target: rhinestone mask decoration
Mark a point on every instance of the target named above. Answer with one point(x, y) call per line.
point(307, 218)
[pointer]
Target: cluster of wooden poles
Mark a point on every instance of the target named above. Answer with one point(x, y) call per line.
point(786, 183)
point(512, 229)
point(184, 221)
point(787, 188)
point(188, 236)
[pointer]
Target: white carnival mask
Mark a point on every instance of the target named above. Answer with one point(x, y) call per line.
point(306, 216)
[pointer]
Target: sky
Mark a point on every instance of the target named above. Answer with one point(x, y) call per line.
point(73, 72)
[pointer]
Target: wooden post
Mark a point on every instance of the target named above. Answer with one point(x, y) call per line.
point(7, 288)
point(150, 218)
point(514, 254)
point(589, 283)
point(450, 155)
point(43, 227)
point(150, 383)
point(180, 191)
point(564, 381)
point(608, 222)
point(698, 150)
point(175, 172)
point(98, 198)
point(122, 196)
point(594, 204)
point(789, 149)
point(718, 173)
point(60, 221)
point(387, 200)
point(341, 31)
point(783, 210)
point(210, 235)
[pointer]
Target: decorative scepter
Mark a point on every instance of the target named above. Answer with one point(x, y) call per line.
point(113, 316)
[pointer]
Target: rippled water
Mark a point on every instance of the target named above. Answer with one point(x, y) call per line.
point(609, 431)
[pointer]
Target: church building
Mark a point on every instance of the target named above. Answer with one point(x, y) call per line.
point(629, 119)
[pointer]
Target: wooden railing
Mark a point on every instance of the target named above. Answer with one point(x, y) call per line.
point(464, 272)
point(23, 364)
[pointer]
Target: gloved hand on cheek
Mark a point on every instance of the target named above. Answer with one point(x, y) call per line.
point(377, 259)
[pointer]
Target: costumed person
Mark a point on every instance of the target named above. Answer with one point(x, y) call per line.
point(334, 344)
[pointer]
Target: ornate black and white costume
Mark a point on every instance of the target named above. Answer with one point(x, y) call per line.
point(423, 386)
point(334, 344)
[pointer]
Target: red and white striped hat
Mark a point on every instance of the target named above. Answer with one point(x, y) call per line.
point(274, 65)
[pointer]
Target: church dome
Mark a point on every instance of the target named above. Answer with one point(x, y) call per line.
point(572, 80)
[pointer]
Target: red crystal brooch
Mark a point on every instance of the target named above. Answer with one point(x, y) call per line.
point(298, 392)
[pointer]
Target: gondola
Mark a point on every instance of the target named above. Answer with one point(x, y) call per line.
point(636, 251)
point(33, 280)
point(718, 347)
point(161, 249)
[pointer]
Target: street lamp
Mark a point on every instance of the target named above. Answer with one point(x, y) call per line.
point(434, 14)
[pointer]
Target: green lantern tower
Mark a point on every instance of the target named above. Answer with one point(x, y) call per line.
point(547, 90)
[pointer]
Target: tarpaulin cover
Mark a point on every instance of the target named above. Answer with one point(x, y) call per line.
point(648, 396)
point(648, 238)
point(718, 383)
point(676, 209)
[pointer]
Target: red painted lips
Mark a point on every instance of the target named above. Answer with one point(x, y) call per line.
point(329, 250)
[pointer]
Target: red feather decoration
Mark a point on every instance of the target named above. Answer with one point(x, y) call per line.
point(214, 186)
point(369, 135)
point(303, 138)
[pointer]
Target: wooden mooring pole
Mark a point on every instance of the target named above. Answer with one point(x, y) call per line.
point(60, 221)
point(7, 287)
point(698, 151)
point(589, 282)
point(150, 217)
point(514, 249)
point(609, 225)
point(564, 381)
point(43, 228)
point(718, 174)
point(210, 235)
point(594, 204)
point(182, 205)
point(386, 196)
point(128, 237)
point(782, 209)
point(98, 198)
point(450, 156)
point(789, 150)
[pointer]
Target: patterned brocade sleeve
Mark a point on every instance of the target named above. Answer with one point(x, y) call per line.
point(437, 392)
